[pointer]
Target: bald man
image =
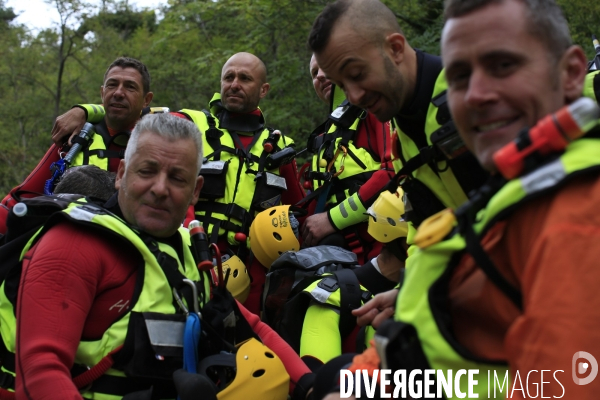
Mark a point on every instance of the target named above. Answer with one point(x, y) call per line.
point(239, 179)
point(361, 48)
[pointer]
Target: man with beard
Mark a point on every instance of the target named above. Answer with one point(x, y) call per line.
point(351, 181)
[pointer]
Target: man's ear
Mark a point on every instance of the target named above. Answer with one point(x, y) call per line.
point(264, 89)
point(196, 194)
point(396, 43)
point(102, 94)
point(573, 67)
point(148, 98)
point(120, 173)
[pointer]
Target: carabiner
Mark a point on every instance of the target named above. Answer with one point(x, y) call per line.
point(194, 298)
point(335, 156)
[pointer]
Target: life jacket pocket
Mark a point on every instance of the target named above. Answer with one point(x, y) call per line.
point(215, 179)
point(269, 188)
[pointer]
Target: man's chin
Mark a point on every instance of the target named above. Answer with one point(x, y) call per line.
point(383, 115)
point(157, 229)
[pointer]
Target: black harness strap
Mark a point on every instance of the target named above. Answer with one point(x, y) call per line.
point(213, 138)
point(244, 152)
point(231, 210)
point(350, 296)
point(486, 264)
point(102, 130)
point(596, 83)
point(101, 153)
point(424, 157)
point(466, 216)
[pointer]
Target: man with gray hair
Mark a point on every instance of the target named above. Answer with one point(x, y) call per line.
point(99, 284)
point(87, 180)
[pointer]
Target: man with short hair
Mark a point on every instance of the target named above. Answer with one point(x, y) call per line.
point(125, 92)
point(512, 290)
point(350, 167)
point(99, 284)
point(87, 180)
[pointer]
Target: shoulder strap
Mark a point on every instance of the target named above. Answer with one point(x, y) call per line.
point(213, 138)
point(465, 215)
point(350, 296)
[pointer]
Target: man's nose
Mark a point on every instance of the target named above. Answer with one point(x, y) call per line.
point(160, 186)
point(321, 75)
point(235, 84)
point(481, 89)
point(119, 91)
point(354, 93)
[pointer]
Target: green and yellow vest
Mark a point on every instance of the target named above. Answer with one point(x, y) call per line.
point(336, 159)
point(237, 184)
point(422, 332)
point(153, 302)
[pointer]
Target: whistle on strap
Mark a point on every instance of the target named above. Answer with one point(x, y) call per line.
point(435, 228)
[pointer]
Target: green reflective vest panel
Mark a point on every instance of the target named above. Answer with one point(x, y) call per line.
point(443, 183)
point(156, 294)
point(351, 172)
point(428, 269)
point(240, 185)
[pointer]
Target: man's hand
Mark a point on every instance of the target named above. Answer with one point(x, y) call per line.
point(68, 124)
point(315, 228)
point(377, 310)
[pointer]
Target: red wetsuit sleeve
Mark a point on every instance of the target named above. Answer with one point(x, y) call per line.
point(379, 142)
point(66, 295)
point(294, 192)
point(36, 180)
point(294, 366)
point(34, 183)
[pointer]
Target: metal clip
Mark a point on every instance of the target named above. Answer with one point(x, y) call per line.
point(194, 296)
point(335, 156)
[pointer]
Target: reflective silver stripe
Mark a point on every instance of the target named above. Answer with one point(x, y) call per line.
point(276, 180)
point(82, 214)
point(544, 177)
point(343, 210)
point(212, 167)
point(352, 203)
point(165, 333)
point(381, 343)
point(320, 295)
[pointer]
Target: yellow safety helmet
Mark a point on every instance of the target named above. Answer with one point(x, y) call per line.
point(254, 372)
point(271, 235)
point(386, 223)
point(238, 282)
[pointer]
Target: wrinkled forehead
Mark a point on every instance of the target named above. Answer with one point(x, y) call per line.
point(127, 73)
point(241, 64)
